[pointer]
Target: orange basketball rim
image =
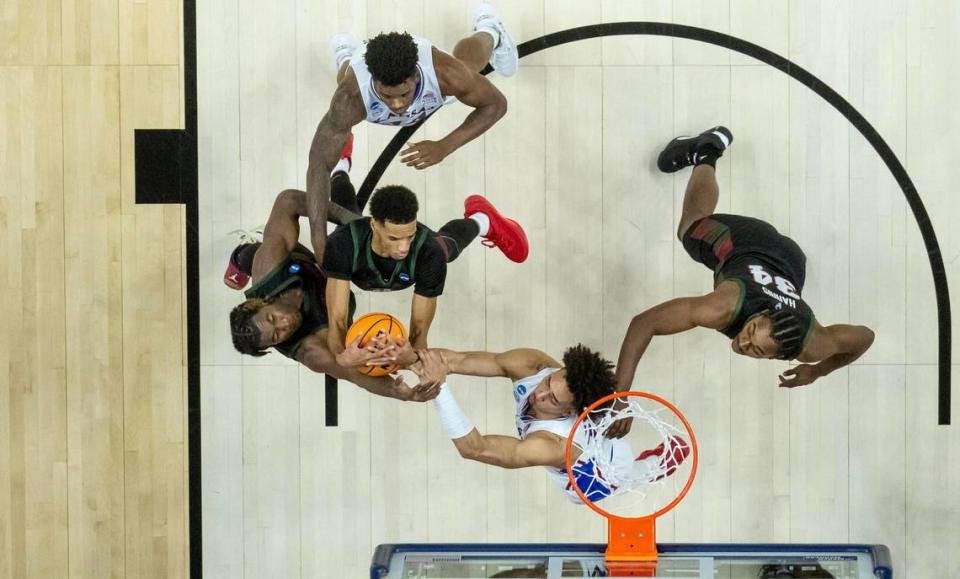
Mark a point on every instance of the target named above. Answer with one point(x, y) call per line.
point(632, 540)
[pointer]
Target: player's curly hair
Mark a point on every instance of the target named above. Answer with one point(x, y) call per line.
point(589, 375)
point(394, 203)
point(246, 335)
point(391, 57)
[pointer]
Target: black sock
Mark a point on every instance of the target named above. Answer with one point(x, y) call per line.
point(342, 192)
point(707, 154)
point(456, 235)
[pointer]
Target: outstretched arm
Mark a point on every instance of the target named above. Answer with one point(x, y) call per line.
point(671, 317)
point(513, 364)
point(473, 90)
point(538, 449)
point(835, 346)
point(314, 355)
point(328, 141)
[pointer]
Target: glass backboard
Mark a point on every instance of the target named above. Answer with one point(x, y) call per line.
point(710, 561)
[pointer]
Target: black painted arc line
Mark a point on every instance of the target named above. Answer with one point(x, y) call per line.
point(799, 74)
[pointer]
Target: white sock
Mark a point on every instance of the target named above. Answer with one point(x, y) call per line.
point(455, 423)
point(493, 34)
point(483, 221)
point(723, 139)
point(342, 165)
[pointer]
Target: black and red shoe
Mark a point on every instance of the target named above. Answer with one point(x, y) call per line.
point(679, 450)
point(237, 275)
point(234, 277)
point(504, 233)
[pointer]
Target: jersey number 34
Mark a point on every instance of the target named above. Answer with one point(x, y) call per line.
point(784, 286)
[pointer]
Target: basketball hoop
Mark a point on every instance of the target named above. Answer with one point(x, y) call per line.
point(631, 538)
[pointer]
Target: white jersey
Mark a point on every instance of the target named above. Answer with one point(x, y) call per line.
point(527, 425)
point(427, 97)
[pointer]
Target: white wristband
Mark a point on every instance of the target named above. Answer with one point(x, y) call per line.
point(453, 420)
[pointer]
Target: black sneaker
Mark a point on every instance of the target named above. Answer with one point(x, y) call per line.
point(685, 151)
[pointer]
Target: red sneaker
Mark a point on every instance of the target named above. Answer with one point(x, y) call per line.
point(504, 233)
point(679, 450)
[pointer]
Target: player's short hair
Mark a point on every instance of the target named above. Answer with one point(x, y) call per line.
point(786, 329)
point(589, 375)
point(394, 203)
point(391, 57)
point(246, 334)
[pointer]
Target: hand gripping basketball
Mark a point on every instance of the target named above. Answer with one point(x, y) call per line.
point(368, 329)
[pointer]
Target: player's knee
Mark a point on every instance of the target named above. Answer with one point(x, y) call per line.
point(290, 195)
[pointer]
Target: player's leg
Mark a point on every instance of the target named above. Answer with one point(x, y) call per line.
point(700, 198)
point(489, 43)
point(456, 235)
point(342, 192)
point(342, 45)
point(701, 152)
point(342, 210)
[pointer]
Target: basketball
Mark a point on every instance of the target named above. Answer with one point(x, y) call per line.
point(367, 327)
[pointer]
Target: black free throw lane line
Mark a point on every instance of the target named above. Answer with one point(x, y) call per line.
point(331, 402)
point(797, 73)
point(191, 199)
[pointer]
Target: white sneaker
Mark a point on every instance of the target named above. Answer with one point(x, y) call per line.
point(343, 44)
point(505, 57)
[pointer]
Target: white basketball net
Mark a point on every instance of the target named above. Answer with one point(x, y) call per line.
point(610, 467)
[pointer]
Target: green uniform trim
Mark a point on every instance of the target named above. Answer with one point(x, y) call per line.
point(273, 283)
point(740, 299)
point(365, 243)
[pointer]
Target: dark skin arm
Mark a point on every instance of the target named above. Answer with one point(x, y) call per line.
point(423, 310)
point(473, 90)
point(280, 233)
point(337, 296)
point(346, 110)
point(833, 346)
point(672, 317)
point(314, 354)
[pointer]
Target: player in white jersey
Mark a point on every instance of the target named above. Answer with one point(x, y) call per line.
point(549, 398)
point(396, 79)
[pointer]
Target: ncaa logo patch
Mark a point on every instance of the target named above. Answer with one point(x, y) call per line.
point(294, 268)
point(404, 277)
point(518, 392)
